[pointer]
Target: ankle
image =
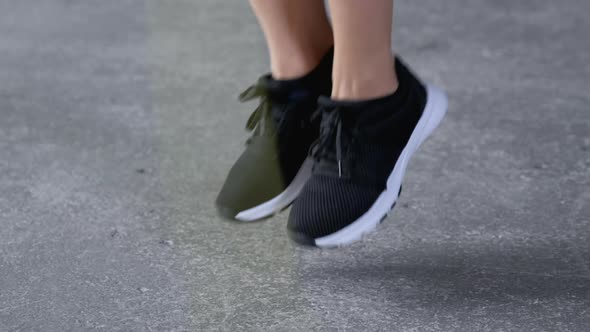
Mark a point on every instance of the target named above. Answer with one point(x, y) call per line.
point(363, 89)
point(292, 68)
point(370, 79)
point(289, 64)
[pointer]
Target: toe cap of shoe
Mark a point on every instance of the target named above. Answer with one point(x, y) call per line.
point(327, 205)
point(255, 178)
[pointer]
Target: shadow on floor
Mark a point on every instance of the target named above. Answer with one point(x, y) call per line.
point(490, 275)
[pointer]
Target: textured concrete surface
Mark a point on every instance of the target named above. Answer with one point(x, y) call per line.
point(118, 122)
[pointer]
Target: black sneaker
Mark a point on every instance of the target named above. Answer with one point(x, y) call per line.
point(360, 161)
point(272, 170)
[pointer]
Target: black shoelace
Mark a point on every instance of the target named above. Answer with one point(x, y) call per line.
point(330, 128)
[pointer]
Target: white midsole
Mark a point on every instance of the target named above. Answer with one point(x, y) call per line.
point(283, 199)
point(434, 111)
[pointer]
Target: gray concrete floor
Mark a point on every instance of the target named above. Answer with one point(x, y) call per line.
point(118, 123)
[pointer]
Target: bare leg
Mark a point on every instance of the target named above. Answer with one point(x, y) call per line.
point(297, 32)
point(363, 61)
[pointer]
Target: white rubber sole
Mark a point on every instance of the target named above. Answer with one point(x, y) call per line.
point(434, 111)
point(282, 200)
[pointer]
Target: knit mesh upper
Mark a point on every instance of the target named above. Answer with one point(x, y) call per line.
point(359, 146)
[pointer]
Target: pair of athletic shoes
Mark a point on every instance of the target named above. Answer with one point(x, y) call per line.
point(341, 164)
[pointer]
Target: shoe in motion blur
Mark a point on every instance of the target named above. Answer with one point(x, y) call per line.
point(274, 166)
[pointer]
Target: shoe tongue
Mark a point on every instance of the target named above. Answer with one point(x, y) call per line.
point(369, 110)
point(350, 111)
